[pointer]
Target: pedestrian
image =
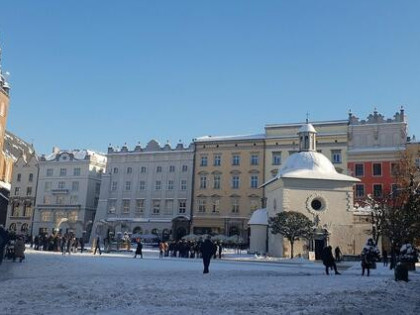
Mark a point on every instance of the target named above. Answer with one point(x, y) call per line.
point(337, 253)
point(19, 249)
point(370, 254)
point(139, 249)
point(82, 244)
point(208, 249)
point(220, 248)
point(97, 246)
point(4, 239)
point(385, 257)
point(328, 260)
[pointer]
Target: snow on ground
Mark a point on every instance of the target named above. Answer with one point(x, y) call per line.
point(115, 283)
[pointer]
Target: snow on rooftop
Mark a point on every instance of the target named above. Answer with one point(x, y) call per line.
point(311, 165)
point(231, 138)
point(259, 217)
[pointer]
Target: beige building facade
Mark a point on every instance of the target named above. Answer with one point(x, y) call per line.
point(228, 173)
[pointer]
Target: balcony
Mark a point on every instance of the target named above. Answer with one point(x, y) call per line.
point(59, 191)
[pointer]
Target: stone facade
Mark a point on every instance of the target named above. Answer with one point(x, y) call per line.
point(23, 195)
point(147, 191)
point(228, 174)
point(375, 146)
point(68, 191)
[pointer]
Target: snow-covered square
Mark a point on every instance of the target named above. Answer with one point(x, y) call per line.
point(115, 283)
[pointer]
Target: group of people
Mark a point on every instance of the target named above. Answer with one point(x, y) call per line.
point(370, 255)
point(11, 246)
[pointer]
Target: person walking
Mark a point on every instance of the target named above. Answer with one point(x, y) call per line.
point(337, 253)
point(19, 249)
point(328, 260)
point(139, 249)
point(385, 257)
point(370, 254)
point(97, 246)
point(208, 249)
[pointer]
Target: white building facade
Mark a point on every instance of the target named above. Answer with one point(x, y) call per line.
point(23, 195)
point(68, 192)
point(146, 191)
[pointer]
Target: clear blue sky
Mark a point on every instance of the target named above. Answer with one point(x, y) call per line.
point(88, 73)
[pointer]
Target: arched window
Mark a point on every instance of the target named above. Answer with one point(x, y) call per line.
point(137, 230)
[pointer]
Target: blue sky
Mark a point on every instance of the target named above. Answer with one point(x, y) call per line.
point(88, 73)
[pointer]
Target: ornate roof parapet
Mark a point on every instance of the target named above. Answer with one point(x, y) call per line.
point(377, 118)
point(152, 146)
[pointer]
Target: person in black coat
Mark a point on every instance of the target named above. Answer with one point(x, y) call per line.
point(208, 249)
point(328, 260)
point(4, 239)
point(139, 249)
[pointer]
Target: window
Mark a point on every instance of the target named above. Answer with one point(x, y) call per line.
point(47, 200)
point(183, 184)
point(203, 161)
point(394, 169)
point(47, 186)
point(203, 182)
point(46, 216)
point(19, 176)
point(169, 206)
point(276, 158)
point(143, 169)
point(182, 206)
point(202, 205)
point(235, 182)
point(359, 170)
point(159, 169)
point(17, 191)
point(236, 159)
point(63, 171)
point(336, 156)
point(129, 170)
point(28, 191)
point(61, 185)
point(127, 185)
point(76, 171)
point(27, 210)
point(216, 182)
point(158, 185)
point(156, 207)
point(114, 186)
point(394, 189)
point(360, 190)
point(49, 172)
point(126, 206)
point(217, 160)
point(184, 168)
point(377, 169)
point(112, 204)
point(139, 205)
point(254, 181)
point(142, 185)
point(235, 206)
point(74, 199)
point(31, 177)
point(254, 159)
point(215, 206)
point(170, 184)
point(377, 190)
point(115, 170)
point(171, 168)
point(59, 200)
point(75, 186)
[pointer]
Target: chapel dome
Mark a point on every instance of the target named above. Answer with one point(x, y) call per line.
point(311, 165)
